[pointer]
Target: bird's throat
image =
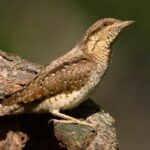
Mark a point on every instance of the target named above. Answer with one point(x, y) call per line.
point(99, 50)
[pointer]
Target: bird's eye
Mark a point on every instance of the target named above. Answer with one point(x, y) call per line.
point(105, 24)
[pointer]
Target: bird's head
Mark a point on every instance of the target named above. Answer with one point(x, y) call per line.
point(102, 34)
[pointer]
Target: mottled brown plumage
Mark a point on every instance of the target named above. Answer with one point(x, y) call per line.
point(67, 77)
point(69, 80)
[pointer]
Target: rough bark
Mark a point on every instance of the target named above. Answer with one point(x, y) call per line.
point(15, 73)
point(14, 141)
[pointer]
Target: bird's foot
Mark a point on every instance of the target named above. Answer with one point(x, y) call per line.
point(73, 121)
point(69, 119)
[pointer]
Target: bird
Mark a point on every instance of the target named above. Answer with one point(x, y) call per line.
point(69, 80)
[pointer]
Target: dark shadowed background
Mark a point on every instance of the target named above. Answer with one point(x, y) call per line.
point(40, 31)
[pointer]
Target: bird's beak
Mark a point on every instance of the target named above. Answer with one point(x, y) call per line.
point(123, 24)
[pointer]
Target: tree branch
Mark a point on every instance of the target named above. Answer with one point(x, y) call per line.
point(14, 141)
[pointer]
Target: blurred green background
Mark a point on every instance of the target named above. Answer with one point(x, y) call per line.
point(42, 30)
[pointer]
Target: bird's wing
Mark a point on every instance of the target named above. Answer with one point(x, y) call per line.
point(68, 76)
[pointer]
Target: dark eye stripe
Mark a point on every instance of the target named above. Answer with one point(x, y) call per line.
point(107, 23)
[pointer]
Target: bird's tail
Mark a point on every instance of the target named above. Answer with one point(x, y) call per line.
point(10, 110)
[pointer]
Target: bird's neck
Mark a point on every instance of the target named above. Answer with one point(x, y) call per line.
point(98, 45)
point(99, 50)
